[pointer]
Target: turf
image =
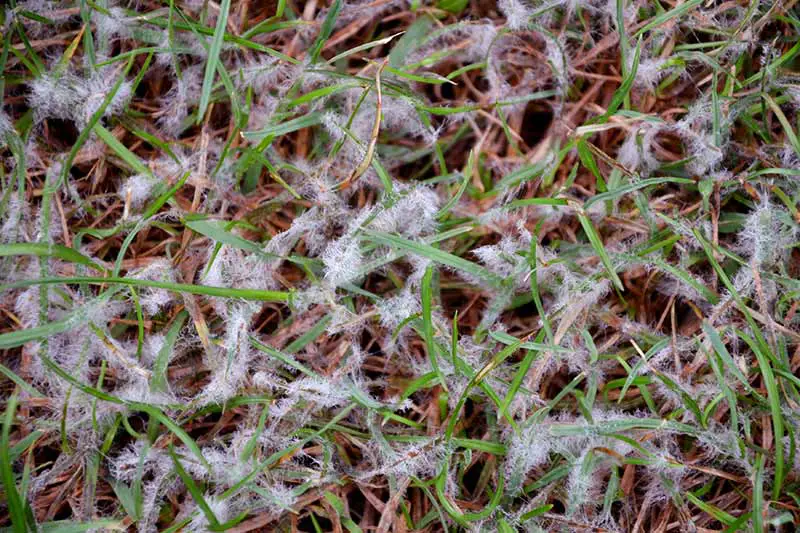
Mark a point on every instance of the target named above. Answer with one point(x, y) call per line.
point(400, 265)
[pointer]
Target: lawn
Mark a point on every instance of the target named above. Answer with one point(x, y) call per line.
point(400, 265)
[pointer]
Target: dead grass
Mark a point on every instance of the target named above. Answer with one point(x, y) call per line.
point(400, 266)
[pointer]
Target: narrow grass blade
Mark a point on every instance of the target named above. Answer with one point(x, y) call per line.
point(197, 494)
point(434, 254)
point(158, 381)
point(67, 526)
point(325, 31)
point(427, 325)
point(304, 121)
point(205, 290)
point(666, 16)
point(632, 187)
point(338, 506)
point(597, 244)
point(213, 59)
point(121, 150)
point(17, 508)
point(41, 249)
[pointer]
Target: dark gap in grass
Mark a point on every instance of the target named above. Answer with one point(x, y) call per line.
point(654, 305)
point(354, 201)
point(111, 249)
point(378, 284)
point(60, 133)
point(686, 320)
point(347, 452)
point(558, 506)
point(536, 121)
point(289, 373)
point(385, 28)
point(105, 500)
point(470, 410)
point(64, 511)
point(197, 378)
point(221, 115)
point(138, 422)
point(550, 239)
point(305, 524)
point(416, 169)
point(442, 69)
point(794, 264)
point(618, 508)
point(160, 81)
point(297, 143)
point(523, 312)
point(522, 59)
point(447, 91)
point(770, 31)
point(457, 300)
point(357, 503)
point(556, 384)
point(483, 8)
point(145, 91)
point(420, 398)
point(148, 476)
point(15, 97)
point(374, 366)
point(80, 172)
point(471, 477)
point(438, 122)
point(668, 148)
point(200, 430)
point(154, 236)
point(303, 459)
point(376, 390)
point(479, 81)
point(189, 135)
point(268, 320)
point(45, 454)
point(290, 272)
point(273, 223)
point(116, 48)
point(260, 11)
point(369, 344)
point(457, 155)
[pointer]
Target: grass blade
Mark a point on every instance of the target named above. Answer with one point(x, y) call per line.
point(197, 494)
point(597, 244)
point(17, 508)
point(205, 290)
point(212, 62)
point(42, 249)
point(325, 31)
point(434, 254)
point(158, 381)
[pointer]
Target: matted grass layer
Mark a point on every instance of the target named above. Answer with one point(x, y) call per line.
point(400, 265)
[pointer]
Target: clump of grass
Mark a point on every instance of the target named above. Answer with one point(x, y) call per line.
point(390, 266)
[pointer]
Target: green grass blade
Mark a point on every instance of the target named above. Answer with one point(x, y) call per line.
point(213, 59)
point(665, 17)
point(14, 500)
point(434, 254)
point(42, 249)
point(597, 244)
point(204, 290)
point(325, 31)
point(121, 150)
point(427, 325)
point(196, 493)
point(158, 380)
